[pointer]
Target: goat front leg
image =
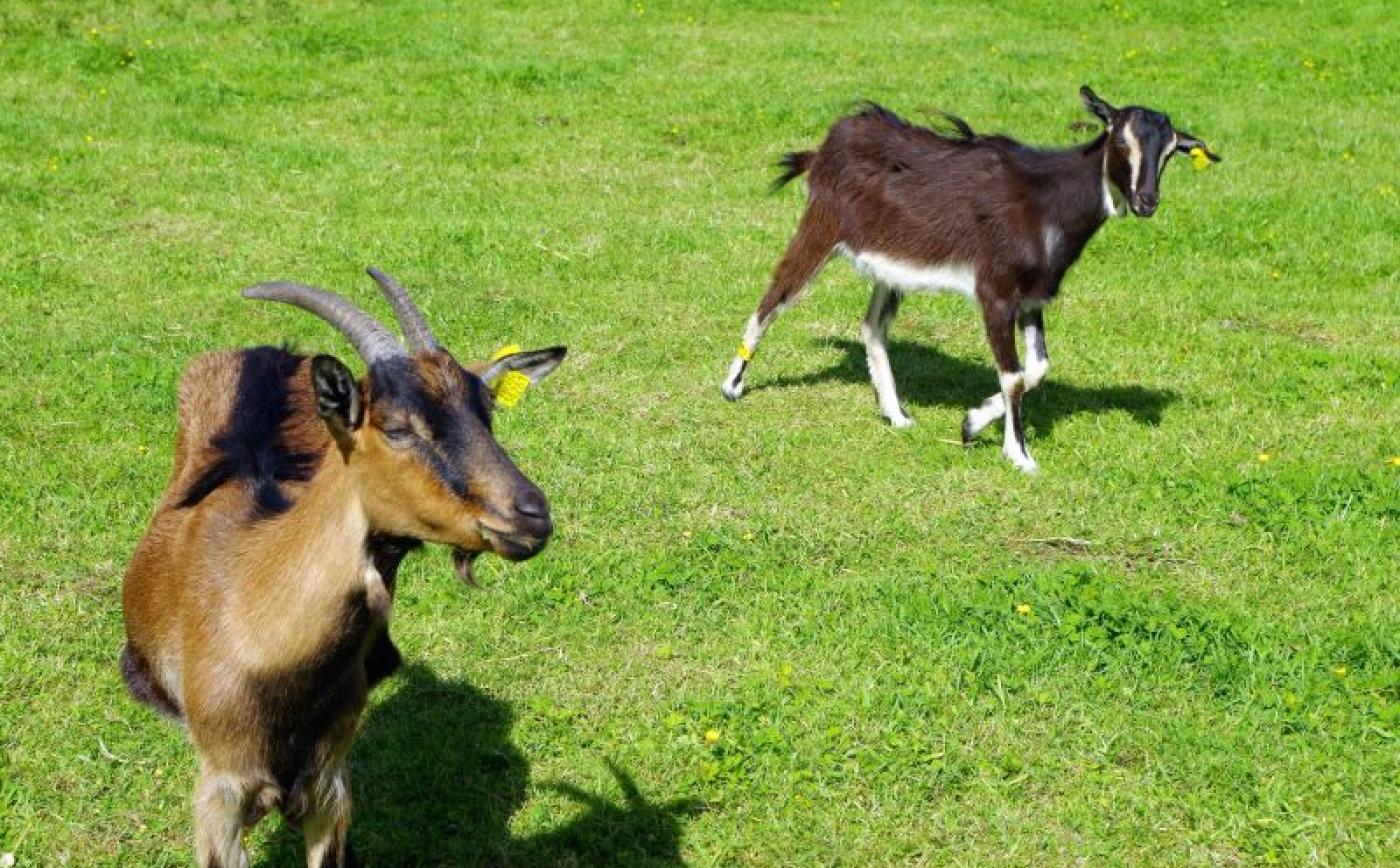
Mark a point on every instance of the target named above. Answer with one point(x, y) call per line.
point(222, 803)
point(1032, 323)
point(326, 824)
point(1000, 321)
point(884, 304)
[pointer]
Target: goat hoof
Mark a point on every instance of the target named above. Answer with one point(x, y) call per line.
point(900, 421)
point(732, 391)
point(969, 433)
point(1023, 462)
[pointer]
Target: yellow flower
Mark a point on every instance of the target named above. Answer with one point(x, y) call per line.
point(1199, 158)
point(1130, 54)
point(711, 736)
point(1340, 672)
point(1023, 608)
point(1308, 64)
point(1394, 461)
point(1265, 457)
point(1276, 274)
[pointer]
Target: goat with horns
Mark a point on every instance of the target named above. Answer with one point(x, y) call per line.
point(981, 215)
point(257, 603)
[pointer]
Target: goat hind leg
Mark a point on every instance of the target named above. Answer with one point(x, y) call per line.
point(884, 303)
point(806, 254)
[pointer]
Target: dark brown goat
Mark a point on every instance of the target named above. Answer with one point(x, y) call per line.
point(982, 215)
point(257, 604)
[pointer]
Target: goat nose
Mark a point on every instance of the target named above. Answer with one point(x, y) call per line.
point(1149, 200)
point(531, 503)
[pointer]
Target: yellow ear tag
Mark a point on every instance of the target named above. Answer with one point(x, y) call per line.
point(509, 387)
point(1199, 159)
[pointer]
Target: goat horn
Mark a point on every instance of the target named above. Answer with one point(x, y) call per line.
point(415, 328)
point(370, 339)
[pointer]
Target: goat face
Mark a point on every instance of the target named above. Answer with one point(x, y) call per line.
point(417, 442)
point(1140, 141)
point(416, 434)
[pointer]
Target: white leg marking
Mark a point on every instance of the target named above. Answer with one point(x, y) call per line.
point(981, 416)
point(733, 385)
point(1011, 384)
point(873, 331)
point(1036, 363)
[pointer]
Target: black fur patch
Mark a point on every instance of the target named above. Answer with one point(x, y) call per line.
point(299, 707)
point(792, 164)
point(386, 552)
point(250, 448)
point(454, 424)
point(144, 687)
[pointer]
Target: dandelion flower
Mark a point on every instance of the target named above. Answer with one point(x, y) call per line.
point(1023, 608)
point(1265, 457)
point(1394, 461)
point(1340, 672)
point(711, 736)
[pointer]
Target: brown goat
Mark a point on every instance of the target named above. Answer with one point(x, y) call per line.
point(257, 604)
point(982, 215)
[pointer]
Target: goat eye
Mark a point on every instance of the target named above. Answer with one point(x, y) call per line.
point(399, 435)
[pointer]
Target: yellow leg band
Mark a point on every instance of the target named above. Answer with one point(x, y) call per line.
point(744, 353)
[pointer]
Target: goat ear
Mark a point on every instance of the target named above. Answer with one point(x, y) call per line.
point(1097, 107)
point(1186, 143)
point(337, 395)
point(535, 364)
point(511, 371)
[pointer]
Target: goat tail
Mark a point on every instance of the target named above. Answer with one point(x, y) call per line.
point(792, 164)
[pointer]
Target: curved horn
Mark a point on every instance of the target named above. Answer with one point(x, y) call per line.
point(415, 328)
point(371, 340)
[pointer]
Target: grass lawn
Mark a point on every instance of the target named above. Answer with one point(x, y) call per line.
point(1178, 644)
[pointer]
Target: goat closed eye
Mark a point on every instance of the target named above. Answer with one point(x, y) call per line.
point(399, 436)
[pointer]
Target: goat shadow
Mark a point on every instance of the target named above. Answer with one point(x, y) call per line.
point(926, 376)
point(435, 781)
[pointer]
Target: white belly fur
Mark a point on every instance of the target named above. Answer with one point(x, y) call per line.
point(913, 276)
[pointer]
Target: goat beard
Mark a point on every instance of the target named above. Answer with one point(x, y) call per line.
point(463, 562)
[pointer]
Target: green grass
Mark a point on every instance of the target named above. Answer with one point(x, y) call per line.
point(1213, 679)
